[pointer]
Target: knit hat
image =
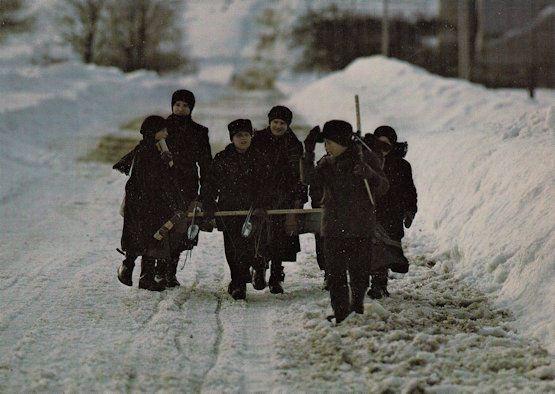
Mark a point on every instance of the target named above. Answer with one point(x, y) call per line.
point(239, 125)
point(184, 95)
point(386, 131)
point(280, 112)
point(338, 131)
point(152, 124)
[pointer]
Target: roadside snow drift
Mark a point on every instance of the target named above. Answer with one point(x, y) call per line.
point(483, 163)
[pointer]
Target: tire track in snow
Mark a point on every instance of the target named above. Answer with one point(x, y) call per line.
point(217, 343)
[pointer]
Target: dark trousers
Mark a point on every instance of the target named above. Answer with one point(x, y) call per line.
point(320, 257)
point(350, 256)
point(240, 252)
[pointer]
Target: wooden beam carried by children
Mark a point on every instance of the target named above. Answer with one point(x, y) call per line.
point(315, 214)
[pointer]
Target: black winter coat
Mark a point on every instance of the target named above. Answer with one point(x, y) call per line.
point(348, 212)
point(234, 182)
point(235, 179)
point(400, 199)
point(190, 147)
point(282, 185)
point(280, 188)
point(150, 197)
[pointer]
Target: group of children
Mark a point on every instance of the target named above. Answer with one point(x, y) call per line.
point(260, 171)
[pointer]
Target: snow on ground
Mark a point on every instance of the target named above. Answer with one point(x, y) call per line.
point(66, 324)
point(483, 163)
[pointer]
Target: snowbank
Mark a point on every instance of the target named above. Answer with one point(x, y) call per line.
point(49, 115)
point(483, 163)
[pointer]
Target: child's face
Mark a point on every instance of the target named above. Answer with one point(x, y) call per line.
point(278, 127)
point(333, 148)
point(181, 108)
point(386, 146)
point(242, 140)
point(162, 134)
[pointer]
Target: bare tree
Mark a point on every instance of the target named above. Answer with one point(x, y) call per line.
point(13, 18)
point(80, 26)
point(143, 34)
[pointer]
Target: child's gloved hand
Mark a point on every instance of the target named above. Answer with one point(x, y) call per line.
point(261, 214)
point(194, 206)
point(311, 139)
point(166, 157)
point(364, 171)
point(291, 224)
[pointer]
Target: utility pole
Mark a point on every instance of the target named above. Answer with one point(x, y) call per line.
point(464, 39)
point(385, 29)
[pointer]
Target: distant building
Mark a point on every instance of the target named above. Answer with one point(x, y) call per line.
point(513, 40)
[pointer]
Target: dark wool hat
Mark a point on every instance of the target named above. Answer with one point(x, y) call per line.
point(184, 95)
point(239, 125)
point(280, 112)
point(338, 131)
point(386, 131)
point(152, 124)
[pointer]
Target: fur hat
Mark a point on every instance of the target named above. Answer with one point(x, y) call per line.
point(152, 124)
point(280, 112)
point(338, 131)
point(386, 131)
point(239, 125)
point(184, 95)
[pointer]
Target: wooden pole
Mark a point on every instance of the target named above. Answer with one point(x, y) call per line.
point(359, 126)
point(269, 212)
point(464, 39)
point(385, 29)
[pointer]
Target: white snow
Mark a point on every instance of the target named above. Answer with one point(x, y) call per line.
point(67, 325)
point(483, 163)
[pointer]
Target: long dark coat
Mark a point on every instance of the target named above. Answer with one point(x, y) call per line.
point(235, 180)
point(190, 147)
point(400, 199)
point(281, 187)
point(150, 197)
point(348, 211)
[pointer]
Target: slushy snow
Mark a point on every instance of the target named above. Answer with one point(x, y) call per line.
point(484, 167)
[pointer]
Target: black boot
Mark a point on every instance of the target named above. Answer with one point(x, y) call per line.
point(125, 270)
point(378, 289)
point(276, 277)
point(258, 278)
point(148, 279)
point(357, 301)
point(171, 270)
point(239, 292)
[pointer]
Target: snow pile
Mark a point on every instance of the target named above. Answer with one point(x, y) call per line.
point(483, 164)
point(63, 108)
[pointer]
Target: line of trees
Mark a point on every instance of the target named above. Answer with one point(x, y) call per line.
point(331, 38)
point(13, 18)
point(128, 34)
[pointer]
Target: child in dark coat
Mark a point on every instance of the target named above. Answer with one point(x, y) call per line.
point(349, 219)
point(235, 183)
point(282, 189)
point(189, 144)
point(399, 205)
point(150, 200)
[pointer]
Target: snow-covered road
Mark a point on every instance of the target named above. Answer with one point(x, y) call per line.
point(67, 324)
